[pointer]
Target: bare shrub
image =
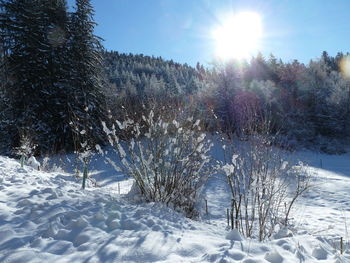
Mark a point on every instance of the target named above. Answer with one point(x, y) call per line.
point(82, 141)
point(167, 158)
point(264, 186)
point(299, 181)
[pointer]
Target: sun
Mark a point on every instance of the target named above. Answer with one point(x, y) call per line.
point(238, 36)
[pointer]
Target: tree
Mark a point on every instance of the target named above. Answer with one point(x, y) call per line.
point(23, 26)
point(258, 69)
point(58, 71)
point(86, 106)
point(54, 68)
point(275, 68)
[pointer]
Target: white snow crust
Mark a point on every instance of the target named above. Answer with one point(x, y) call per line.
point(46, 217)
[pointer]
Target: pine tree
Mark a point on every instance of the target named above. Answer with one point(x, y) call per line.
point(23, 32)
point(58, 71)
point(35, 33)
point(86, 107)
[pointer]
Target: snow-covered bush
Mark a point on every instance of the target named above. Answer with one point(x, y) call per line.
point(45, 166)
point(82, 140)
point(263, 185)
point(32, 161)
point(167, 158)
point(85, 157)
point(26, 149)
point(298, 181)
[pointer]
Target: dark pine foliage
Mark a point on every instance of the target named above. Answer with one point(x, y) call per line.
point(86, 107)
point(51, 73)
point(135, 81)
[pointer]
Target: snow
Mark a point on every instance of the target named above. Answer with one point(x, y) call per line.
point(234, 235)
point(33, 163)
point(47, 217)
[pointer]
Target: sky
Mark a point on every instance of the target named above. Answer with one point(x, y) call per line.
point(182, 30)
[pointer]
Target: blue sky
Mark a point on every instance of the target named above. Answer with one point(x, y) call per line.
point(182, 29)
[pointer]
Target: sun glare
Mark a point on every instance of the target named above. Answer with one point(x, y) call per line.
point(238, 37)
point(345, 66)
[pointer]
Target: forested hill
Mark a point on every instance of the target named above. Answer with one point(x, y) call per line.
point(145, 75)
point(308, 104)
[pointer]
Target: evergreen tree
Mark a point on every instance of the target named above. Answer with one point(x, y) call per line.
point(54, 68)
point(58, 72)
point(275, 68)
point(258, 69)
point(35, 34)
point(22, 22)
point(86, 107)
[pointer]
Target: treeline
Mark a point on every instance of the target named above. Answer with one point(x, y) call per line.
point(307, 104)
point(58, 84)
point(137, 81)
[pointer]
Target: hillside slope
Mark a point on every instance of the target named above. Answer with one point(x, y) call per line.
point(46, 217)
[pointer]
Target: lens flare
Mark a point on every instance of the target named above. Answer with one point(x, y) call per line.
point(238, 37)
point(345, 66)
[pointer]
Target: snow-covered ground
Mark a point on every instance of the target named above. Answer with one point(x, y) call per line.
point(46, 217)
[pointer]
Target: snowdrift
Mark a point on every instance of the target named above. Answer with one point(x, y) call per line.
point(46, 217)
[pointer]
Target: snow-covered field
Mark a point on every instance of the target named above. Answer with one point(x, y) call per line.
point(46, 217)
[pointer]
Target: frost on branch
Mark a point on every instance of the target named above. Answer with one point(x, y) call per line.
point(167, 158)
point(26, 150)
point(263, 185)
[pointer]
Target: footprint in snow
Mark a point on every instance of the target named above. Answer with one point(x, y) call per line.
point(274, 257)
point(320, 253)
